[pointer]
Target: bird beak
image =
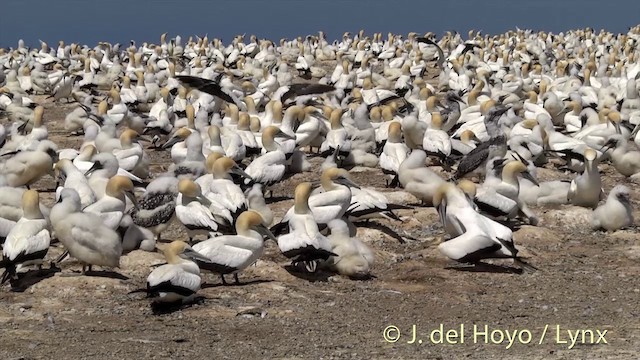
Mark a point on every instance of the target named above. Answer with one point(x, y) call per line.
point(61, 178)
point(238, 171)
point(94, 167)
point(617, 126)
point(191, 254)
point(623, 198)
point(10, 153)
point(635, 130)
point(501, 110)
point(321, 115)
point(145, 139)
point(285, 135)
point(132, 197)
point(527, 175)
point(264, 231)
point(171, 142)
point(608, 145)
point(22, 127)
point(347, 182)
point(315, 184)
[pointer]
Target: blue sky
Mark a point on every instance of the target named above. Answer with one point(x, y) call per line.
point(89, 21)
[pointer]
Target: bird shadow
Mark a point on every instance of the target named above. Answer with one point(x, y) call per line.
point(384, 229)
point(158, 308)
point(233, 284)
point(275, 199)
point(106, 274)
point(486, 268)
point(28, 279)
point(318, 276)
point(513, 224)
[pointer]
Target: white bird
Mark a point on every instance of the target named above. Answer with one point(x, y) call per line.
point(27, 167)
point(28, 242)
point(304, 243)
point(255, 201)
point(625, 158)
point(112, 206)
point(337, 137)
point(84, 235)
point(586, 189)
point(394, 152)
point(616, 213)
point(219, 183)
point(353, 258)
point(435, 140)
point(192, 212)
point(332, 200)
point(71, 177)
point(269, 168)
point(417, 179)
point(179, 280)
point(473, 236)
point(230, 254)
point(100, 169)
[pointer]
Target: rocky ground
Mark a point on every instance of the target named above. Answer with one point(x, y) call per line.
point(587, 281)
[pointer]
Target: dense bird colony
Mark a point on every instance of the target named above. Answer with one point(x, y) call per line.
point(464, 125)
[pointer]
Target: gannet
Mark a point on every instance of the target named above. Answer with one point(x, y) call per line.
point(394, 151)
point(304, 243)
point(28, 241)
point(219, 183)
point(72, 178)
point(27, 167)
point(112, 206)
point(179, 280)
point(269, 168)
point(417, 179)
point(337, 136)
point(230, 254)
point(616, 213)
point(435, 140)
point(255, 201)
point(353, 258)
point(193, 210)
point(84, 235)
point(156, 208)
point(624, 158)
point(586, 188)
point(495, 146)
point(331, 200)
point(473, 236)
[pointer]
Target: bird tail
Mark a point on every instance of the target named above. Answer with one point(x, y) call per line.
point(524, 265)
point(8, 273)
point(311, 266)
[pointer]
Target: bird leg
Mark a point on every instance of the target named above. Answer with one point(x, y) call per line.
point(61, 257)
point(235, 277)
point(224, 282)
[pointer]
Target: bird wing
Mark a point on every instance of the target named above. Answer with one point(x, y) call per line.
point(173, 278)
point(208, 86)
point(305, 89)
point(196, 215)
point(468, 246)
point(84, 231)
point(221, 252)
point(27, 237)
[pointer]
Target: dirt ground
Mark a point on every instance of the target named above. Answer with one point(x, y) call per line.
point(587, 281)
